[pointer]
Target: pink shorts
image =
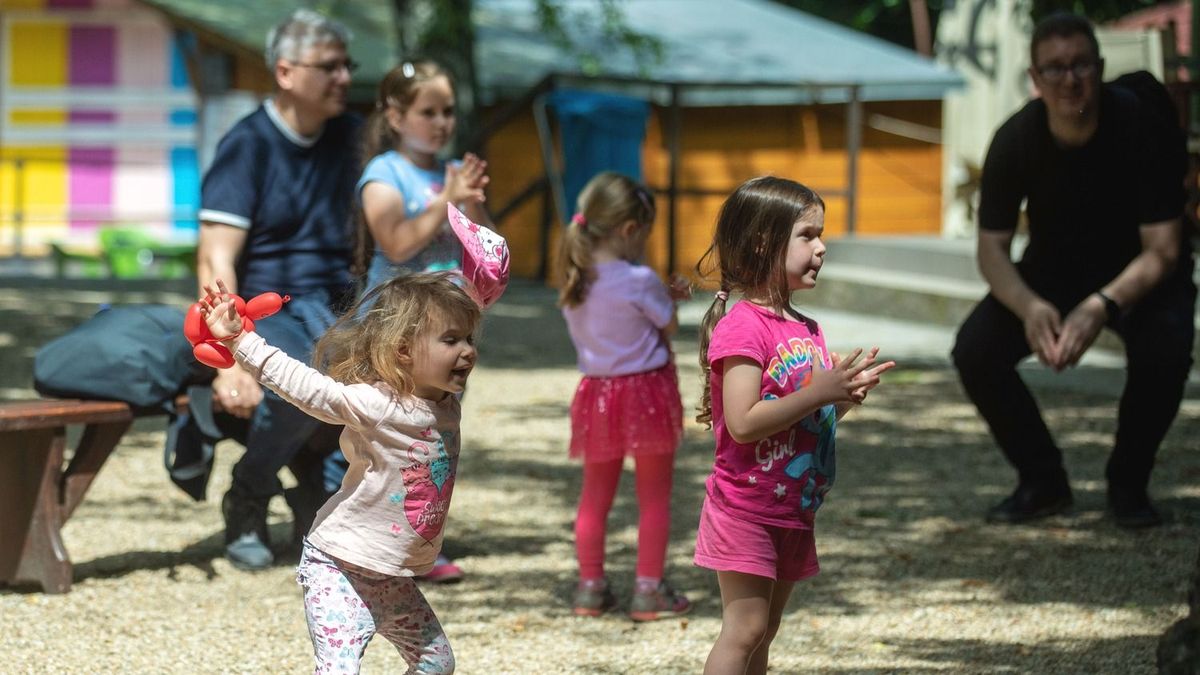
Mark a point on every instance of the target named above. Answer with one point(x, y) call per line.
point(726, 543)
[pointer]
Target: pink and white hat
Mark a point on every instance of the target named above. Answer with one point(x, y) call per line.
point(485, 258)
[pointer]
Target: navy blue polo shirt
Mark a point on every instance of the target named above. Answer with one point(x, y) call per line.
point(293, 195)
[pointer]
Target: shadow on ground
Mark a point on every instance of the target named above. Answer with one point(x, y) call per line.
point(901, 528)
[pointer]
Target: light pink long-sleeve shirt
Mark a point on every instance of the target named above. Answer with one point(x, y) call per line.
point(403, 455)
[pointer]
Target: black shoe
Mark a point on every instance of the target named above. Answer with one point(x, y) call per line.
point(1026, 504)
point(247, 545)
point(1132, 510)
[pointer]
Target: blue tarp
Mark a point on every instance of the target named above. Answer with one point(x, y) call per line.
point(600, 132)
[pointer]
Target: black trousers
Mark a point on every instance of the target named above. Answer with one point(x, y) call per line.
point(1158, 334)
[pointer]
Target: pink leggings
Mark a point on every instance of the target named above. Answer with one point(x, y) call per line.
point(653, 475)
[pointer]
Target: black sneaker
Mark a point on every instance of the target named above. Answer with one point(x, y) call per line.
point(1027, 504)
point(1132, 510)
point(246, 539)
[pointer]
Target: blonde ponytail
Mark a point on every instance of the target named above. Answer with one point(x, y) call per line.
point(607, 201)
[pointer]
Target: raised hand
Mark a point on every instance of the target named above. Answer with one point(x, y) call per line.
point(220, 312)
point(850, 379)
point(870, 375)
point(465, 181)
point(679, 288)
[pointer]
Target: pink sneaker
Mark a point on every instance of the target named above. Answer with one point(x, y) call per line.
point(443, 572)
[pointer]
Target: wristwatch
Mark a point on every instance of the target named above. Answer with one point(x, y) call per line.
point(1111, 308)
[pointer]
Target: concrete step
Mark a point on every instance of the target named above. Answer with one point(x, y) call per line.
point(920, 279)
point(925, 256)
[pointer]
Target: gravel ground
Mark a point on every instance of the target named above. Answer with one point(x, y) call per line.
point(912, 580)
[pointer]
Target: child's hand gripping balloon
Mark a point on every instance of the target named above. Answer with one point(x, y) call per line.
point(221, 316)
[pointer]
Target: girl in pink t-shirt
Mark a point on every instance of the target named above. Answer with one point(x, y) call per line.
point(620, 317)
point(773, 394)
point(396, 363)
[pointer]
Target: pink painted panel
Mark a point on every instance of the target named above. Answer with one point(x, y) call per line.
point(89, 184)
point(142, 54)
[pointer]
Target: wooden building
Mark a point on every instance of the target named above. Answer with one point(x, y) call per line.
point(743, 88)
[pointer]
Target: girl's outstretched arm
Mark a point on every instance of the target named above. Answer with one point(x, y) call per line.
point(749, 419)
point(317, 394)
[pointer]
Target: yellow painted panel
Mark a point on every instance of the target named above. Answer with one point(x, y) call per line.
point(41, 182)
point(38, 53)
point(22, 4)
point(8, 182)
point(35, 116)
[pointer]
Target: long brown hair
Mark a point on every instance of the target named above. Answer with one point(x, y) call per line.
point(608, 201)
point(397, 90)
point(749, 249)
point(366, 342)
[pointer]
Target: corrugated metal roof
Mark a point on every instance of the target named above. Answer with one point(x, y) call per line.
point(712, 41)
point(772, 53)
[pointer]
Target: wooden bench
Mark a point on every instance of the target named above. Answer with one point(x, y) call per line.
point(37, 493)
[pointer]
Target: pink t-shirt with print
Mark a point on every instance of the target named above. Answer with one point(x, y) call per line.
point(782, 479)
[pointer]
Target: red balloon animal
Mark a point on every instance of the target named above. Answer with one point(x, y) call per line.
point(209, 350)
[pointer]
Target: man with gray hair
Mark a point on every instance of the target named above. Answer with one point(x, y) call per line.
point(275, 215)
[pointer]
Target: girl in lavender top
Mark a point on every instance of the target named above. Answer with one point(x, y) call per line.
point(620, 317)
point(395, 364)
point(773, 394)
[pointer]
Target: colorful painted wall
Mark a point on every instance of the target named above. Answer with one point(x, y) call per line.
point(98, 124)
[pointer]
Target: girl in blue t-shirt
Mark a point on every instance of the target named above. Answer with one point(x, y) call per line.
point(405, 187)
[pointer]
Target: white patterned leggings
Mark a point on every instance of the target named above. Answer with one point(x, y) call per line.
point(346, 605)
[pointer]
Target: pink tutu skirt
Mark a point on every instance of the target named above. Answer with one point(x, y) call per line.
point(626, 415)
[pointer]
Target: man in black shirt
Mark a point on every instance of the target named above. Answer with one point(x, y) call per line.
point(1102, 181)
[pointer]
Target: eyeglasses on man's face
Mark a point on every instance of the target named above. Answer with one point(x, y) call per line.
point(332, 68)
point(1057, 72)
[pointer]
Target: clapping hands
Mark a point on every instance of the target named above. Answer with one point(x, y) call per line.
point(466, 180)
point(850, 380)
point(1059, 342)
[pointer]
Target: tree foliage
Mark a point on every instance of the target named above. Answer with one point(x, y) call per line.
point(442, 30)
point(892, 19)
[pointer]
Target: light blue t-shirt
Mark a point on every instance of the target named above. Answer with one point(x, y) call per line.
point(417, 186)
